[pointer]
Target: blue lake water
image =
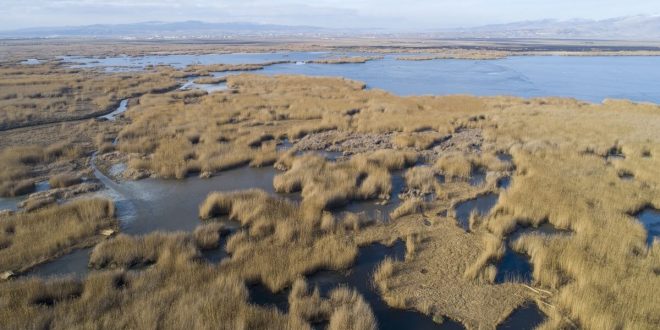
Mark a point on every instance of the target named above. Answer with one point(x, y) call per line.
point(588, 78)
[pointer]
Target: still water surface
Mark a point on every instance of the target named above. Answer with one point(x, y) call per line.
point(588, 78)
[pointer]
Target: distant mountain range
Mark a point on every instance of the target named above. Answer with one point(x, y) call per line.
point(640, 27)
point(163, 30)
point(622, 28)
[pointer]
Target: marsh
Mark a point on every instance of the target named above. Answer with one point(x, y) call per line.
point(286, 183)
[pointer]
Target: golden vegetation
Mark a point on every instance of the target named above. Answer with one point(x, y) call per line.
point(607, 245)
point(210, 80)
point(462, 54)
point(347, 60)
point(437, 257)
point(601, 276)
point(174, 295)
point(331, 184)
point(46, 93)
point(27, 239)
point(22, 165)
point(408, 207)
point(64, 180)
point(422, 179)
point(205, 70)
point(278, 230)
point(344, 309)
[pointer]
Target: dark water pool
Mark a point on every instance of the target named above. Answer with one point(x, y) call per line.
point(516, 266)
point(72, 264)
point(477, 178)
point(504, 183)
point(482, 205)
point(527, 317)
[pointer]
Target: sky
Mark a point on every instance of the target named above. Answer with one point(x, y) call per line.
point(392, 14)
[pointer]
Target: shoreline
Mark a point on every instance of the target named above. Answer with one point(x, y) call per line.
point(18, 50)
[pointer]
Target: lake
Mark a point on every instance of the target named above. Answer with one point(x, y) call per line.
point(588, 78)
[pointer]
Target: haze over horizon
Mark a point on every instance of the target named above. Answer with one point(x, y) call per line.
point(387, 14)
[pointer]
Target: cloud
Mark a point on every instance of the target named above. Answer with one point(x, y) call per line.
point(412, 14)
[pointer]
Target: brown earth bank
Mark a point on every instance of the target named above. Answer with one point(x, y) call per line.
point(566, 162)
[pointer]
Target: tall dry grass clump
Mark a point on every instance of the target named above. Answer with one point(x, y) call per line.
point(36, 237)
point(331, 184)
point(64, 180)
point(383, 273)
point(422, 179)
point(454, 166)
point(278, 230)
point(352, 311)
point(409, 206)
point(16, 172)
point(126, 251)
point(492, 250)
point(208, 236)
point(394, 159)
point(418, 140)
point(344, 308)
point(307, 303)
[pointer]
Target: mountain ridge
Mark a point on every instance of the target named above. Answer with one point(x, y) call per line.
point(639, 27)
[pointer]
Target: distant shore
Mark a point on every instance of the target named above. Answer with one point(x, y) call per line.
point(17, 50)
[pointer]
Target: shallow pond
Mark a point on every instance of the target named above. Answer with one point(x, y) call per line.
point(11, 203)
point(516, 266)
point(505, 157)
point(74, 264)
point(373, 208)
point(504, 182)
point(31, 61)
point(527, 317)
point(359, 277)
point(171, 205)
point(650, 218)
point(210, 88)
point(481, 204)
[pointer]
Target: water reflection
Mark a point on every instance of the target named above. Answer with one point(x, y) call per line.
point(72, 264)
point(528, 316)
point(482, 205)
point(625, 77)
